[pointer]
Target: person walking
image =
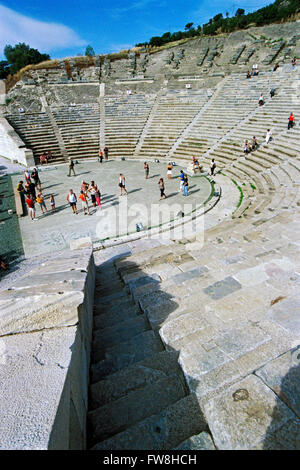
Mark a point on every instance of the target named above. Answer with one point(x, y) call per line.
point(212, 167)
point(186, 186)
point(146, 168)
point(72, 200)
point(122, 184)
point(41, 201)
point(71, 167)
point(52, 203)
point(291, 121)
point(254, 143)
point(268, 136)
point(261, 100)
point(31, 207)
point(100, 156)
point(162, 189)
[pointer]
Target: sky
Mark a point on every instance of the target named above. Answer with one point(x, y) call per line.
point(63, 28)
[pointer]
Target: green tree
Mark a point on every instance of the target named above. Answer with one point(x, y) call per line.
point(240, 12)
point(21, 54)
point(188, 26)
point(4, 69)
point(89, 51)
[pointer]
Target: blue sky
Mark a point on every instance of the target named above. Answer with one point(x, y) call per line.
point(63, 28)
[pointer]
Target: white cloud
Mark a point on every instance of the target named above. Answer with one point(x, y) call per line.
point(15, 28)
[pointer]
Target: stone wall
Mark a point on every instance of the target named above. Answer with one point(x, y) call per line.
point(12, 146)
point(2, 92)
point(45, 337)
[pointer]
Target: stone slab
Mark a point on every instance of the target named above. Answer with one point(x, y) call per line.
point(202, 441)
point(286, 314)
point(220, 289)
point(244, 414)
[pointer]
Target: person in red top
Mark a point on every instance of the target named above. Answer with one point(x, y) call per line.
point(291, 121)
point(100, 156)
point(84, 202)
point(31, 207)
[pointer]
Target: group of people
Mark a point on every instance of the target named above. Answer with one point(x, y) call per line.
point(87, 192)
point(31, 193)
point(105, 150)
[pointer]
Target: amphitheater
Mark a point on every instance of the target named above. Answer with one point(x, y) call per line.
point(186, 336)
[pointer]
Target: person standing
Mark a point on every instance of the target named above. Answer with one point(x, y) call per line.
point(30, 189)
point(72, 200)
point(31, 207)
point(41, 201)
point(181, 178)
point(84, 202)
point(122, 184)
point(254, 143)
point(95, 194)
point(212, 167)
point(268, 136)
point(27, 176)
point(71, 167)
point(169, 170)
point(186, 186)
point(100, 156)
point(291, 121)
point(162, 188)
point(261, 100)
point(52, 202)
point(36, 179)
point(146, 168)
point(105, 150)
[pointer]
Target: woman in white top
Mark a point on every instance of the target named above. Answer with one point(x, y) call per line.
point(122, 184)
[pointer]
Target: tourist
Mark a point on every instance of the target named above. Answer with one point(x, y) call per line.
point(43, 158)
point(162, 188)
point(291, 121)
point(272, 92)
point(185, 186)
point(122, 184)
point(72, 200)
point(21, 191)
point(41, 201)
point(254, 144)
point(275, 67)
point(30, 189)
point(71, 166)
point(84, 187)
point(3, 265)
point(146, 168)
point(95, 194)
point(248, 74)
point(31, 207)
point(36, 179)
point(27, 176)
point(52, 202)
point(261, 100)
point(195, 164)
point(84, 202)
point(247, 148)
point(100, 156)
point(212, 167)
point(169, 170)
point(181, 178)
point(268, 136)
point(49, 156)
point(294, 62)
point(105, 150)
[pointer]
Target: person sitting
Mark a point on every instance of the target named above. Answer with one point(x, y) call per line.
point(248, 74)
point(195, 164)
point(261, 100)
point(275, 67)
point(44, 159)
point(247, 147)
point(294, 62)
point(291, 121)
point(272, 92)
point(49, 155)
point(254, 143)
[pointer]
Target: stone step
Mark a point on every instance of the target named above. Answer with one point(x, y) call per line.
point(115, 417)
point(111, 336)
point(118, 306)
point(135, 377)
point(116, 315)
point(163, 431)
point(112, 300)
point(123, 355)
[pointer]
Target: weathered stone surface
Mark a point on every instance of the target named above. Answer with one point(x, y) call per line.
point(222, 288)
point(81, 243)
point(286, 314)
point(202, 441)
point(244, 414)
point(282, 375)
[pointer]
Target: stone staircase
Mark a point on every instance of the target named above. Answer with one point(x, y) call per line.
point(131, 366)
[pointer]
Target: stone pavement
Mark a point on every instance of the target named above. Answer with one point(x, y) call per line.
point(55, 231)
